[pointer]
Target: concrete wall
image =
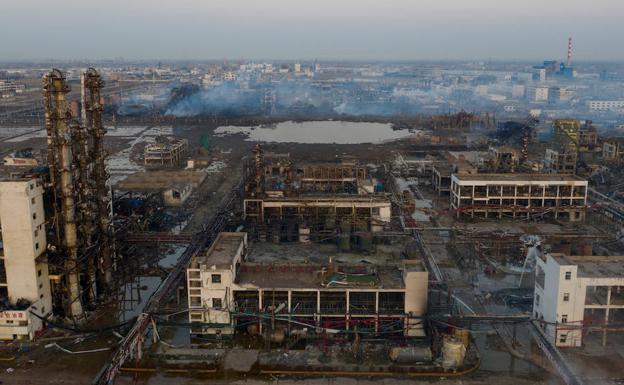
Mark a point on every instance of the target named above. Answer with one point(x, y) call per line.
point(416, 290)
point(416, 294)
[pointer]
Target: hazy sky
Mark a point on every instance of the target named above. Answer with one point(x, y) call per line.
point(308, 29)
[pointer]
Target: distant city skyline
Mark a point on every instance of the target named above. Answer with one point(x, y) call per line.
point(321, 29)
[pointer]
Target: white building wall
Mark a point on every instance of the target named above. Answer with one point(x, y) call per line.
point(563, 320)
point(541, 94)
point(24, 239)
point(210, 291)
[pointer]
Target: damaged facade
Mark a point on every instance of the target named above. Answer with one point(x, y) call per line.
point(226, 290)
point(519, 196)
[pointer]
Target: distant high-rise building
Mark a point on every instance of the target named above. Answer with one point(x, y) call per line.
point(541, 94)
point(518, 91)
point(539, 73)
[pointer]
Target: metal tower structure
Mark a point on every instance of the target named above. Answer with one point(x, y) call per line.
point(92, 108)
point(60, 157)
point(82, 248)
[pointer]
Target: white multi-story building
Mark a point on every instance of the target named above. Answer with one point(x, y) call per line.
point(605, 105)
point(541, 94)
point(10, 87)
point(577, 296)
point(229, 76)
point(613, 149)
point(559, 161)
point(23, 244)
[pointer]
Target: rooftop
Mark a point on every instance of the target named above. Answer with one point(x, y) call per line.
point(593, 266)
point(519, 177)
point(599, 266)
point(161, 180)
point(380, 198)
point(222, 252)
point(316, 276)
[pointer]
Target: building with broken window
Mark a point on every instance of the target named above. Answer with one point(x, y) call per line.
point(166, 152)
point(519, 196)
point(227, 290)
point(283, 200)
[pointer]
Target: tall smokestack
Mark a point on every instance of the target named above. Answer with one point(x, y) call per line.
point(569, 61)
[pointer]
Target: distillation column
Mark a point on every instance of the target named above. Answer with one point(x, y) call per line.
point(92, 109)
point(55, 89)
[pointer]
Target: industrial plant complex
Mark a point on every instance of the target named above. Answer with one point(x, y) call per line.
point(289, 220)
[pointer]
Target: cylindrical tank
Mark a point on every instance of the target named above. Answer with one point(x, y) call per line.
point(253, 329)
point(410, 354)
point(463, 335)
point(344, 242)
point(453, 352)
point(278, 336)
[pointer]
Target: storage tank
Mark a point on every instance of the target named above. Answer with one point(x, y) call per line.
point(463, 335)
point(410, 354)
point(453, 352)
point(278, 336)
point(253, 329)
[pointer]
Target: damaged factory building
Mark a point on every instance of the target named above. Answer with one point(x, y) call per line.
point(229, 288)
point(287, 203)
point(319, 257)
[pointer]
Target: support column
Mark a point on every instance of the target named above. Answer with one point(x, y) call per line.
point(606, 320)
point(377, 311)
point(318, 308)
point(260, 307)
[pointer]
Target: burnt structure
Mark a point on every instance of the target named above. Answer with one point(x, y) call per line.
point(285, 202)
point(81, 246)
